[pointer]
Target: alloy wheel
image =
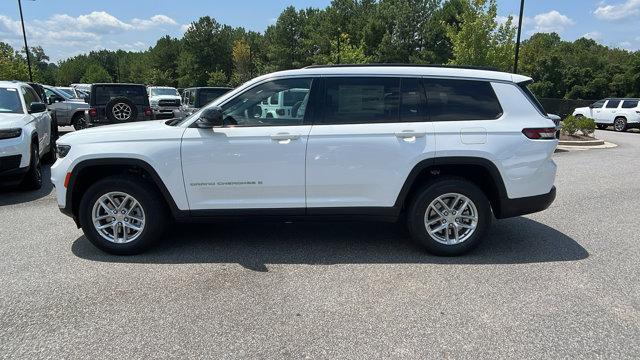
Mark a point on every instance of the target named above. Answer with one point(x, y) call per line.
point(121, 111)
point(451, 219)
point(118, 217)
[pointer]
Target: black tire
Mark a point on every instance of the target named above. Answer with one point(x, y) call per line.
point(50, 157)
point(601, 126)
point(114, 113)
point(620, 124)
point(33, 178)
point(155, 213)
point(579, 116)
point(424, 197)
point(79, 121)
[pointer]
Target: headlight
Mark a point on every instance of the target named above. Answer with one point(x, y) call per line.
point(10, 133)
point(62, 150)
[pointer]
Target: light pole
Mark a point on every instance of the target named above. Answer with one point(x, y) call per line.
point(24, 35)
point(515, 63)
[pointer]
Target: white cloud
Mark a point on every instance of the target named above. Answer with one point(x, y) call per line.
point(185, 27)
point(619, 11)
point(593, 35)
point(62, 35)
point(551, 21)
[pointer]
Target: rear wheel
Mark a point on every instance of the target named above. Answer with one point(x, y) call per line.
point(449, 217)
point(79, 121)
point(122, 215)
point(620, 124)
point(33, 178)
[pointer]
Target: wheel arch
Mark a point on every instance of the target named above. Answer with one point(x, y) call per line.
point(89, 171)
point(480, 171)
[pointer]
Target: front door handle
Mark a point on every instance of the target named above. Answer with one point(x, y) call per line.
point(409, 134)
point(284, 136)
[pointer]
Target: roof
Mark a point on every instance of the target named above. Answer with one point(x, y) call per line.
point(210, 87)
point(404, 70)
point(11, 84)
point(161, 87)
point(109, 84)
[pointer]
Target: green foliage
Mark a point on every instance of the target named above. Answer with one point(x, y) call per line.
point(95, 74)
point(479, 40)
point(570, 125)
point(217, 78)
point(586, 125)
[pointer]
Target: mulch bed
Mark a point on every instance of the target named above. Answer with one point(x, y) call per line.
point(576, 137)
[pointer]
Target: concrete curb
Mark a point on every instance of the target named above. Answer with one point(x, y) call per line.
point(565, 148)
point(595, 142)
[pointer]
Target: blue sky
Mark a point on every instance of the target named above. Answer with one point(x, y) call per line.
point(68, 27)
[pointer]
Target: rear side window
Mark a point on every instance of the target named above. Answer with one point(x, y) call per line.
point(629, 104)
point(137, 94)
point(208, 95)
point(612, 104)
point(357, 100)
point(459, 100)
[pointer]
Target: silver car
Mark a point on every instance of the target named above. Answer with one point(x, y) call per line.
point(66, 110)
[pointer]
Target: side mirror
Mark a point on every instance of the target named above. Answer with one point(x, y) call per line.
point(37, 107)
point(53, 98)
point(210, 118)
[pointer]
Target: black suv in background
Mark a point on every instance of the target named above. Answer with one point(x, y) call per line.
point(118, 103)
point(196, 97)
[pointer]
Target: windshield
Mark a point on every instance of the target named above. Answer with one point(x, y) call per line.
point(163, 91)
point(10, 101)
point(66, 92)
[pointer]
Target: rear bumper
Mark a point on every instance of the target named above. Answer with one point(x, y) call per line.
point(526, 205)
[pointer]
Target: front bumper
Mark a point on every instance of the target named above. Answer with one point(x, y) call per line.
point(526, 205)
point(165, 112)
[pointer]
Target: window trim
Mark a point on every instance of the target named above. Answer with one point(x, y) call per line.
point(499, 116)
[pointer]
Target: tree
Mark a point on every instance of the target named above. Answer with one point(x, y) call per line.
point(217, 78)
point(479, 39)
point(95, 74)
point(241, 55)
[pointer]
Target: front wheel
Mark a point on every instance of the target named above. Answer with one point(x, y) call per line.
point(33, 178)
point(122, 215)
point(601, 126)
point(449, 217)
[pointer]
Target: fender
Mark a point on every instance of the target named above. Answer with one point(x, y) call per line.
point(453, 160)
point(177, 213)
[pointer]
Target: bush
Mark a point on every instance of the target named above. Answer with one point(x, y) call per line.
point(586, 125)
point(571, 125)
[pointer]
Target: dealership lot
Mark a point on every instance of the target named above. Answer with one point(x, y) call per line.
point(561, 283)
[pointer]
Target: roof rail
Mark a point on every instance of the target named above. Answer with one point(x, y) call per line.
point(469, 67)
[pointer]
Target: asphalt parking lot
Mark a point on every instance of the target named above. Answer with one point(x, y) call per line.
point(564, 283)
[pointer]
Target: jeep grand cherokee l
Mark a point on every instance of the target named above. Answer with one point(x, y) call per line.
point(445, 148)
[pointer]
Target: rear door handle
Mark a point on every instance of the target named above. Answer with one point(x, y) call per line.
point(284, 136)
point(407, 134)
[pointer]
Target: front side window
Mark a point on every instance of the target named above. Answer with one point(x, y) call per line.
point(412, 101)
point(598, 104)
point(249, 109)
point(459, 100)
point(612, 104)
point(357, 100)
point(629, 104)
point(10, 101)
point(29, 96)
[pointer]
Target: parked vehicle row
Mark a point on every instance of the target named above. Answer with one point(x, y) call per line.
point(447, 149)
point(621, 113)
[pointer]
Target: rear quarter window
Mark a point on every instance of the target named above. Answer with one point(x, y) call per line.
point(629, 104)
point(137, 94)
point(459, 100)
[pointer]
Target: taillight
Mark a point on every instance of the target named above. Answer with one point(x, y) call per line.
point(148, 111)
point(93, 112)
point(540, 133)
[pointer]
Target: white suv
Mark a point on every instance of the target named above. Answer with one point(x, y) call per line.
point(623, 114)
point(25, 135)
point(446, 148)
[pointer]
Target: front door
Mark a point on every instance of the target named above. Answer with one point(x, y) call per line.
point(609, 112)
point(253, 161)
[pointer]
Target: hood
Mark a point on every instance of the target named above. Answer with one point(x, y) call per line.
point(11, 121)
point(586, 108)
point(165, 97)
point(128, 132)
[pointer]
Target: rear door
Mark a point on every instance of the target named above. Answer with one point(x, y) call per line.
point(608, 114)
point(372, 131)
